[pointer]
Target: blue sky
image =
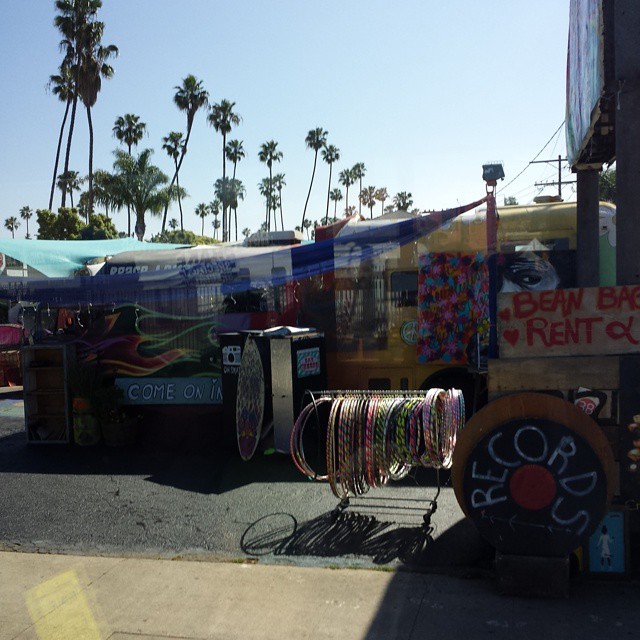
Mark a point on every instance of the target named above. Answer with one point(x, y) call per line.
point(422, 92)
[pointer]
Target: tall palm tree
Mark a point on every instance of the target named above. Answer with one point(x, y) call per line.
point(368, 199)
point(26, 213)
point(222, 118)
point(316, 139)
point(74, 21)
point(173, 145)
point(269, 154)
point(403, 201)
point(278, 183)
point(336, 196)
point(190, 96)
point(94, 66)
point(235, 152)
point(69, 182)
point(346, 179)
point(202, 211)
point(129, 130)
point(381, 195)
point(63, 87)
point(142, 185)
point(358, 170)
point(12, 225)
point(330, 154)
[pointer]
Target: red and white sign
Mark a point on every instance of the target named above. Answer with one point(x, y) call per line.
point(561, 322)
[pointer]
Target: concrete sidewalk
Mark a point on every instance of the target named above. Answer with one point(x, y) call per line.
point(57, 596)
point(63, 597)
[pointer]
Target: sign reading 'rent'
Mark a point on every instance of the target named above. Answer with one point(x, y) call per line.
point(562, 322)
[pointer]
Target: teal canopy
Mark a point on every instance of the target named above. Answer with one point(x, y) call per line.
point(62, 258)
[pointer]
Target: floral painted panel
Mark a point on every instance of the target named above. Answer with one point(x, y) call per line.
point(453, 305)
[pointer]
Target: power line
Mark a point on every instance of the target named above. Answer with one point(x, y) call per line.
point(555, 133)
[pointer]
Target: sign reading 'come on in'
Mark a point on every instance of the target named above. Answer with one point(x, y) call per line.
point(565, 322)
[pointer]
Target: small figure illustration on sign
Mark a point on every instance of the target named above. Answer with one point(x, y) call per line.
point(604, 543)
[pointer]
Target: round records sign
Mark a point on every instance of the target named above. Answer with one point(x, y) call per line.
point(533, 484)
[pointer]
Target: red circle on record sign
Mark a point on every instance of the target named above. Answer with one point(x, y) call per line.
point(532, 487)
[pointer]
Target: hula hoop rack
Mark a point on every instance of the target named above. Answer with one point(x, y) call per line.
point(376, 436)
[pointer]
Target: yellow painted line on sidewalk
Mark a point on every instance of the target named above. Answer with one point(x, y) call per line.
point(60, 610)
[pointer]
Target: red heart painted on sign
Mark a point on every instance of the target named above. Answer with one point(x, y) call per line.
point(505, 314)
point(511, 336)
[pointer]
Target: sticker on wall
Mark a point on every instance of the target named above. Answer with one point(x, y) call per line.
point(308, 362)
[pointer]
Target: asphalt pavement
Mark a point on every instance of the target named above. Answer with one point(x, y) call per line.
point(176, 537)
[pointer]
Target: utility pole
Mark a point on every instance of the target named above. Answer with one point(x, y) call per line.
point(560, 181)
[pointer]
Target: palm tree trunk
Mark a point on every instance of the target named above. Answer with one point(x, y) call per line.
point(68, 153)
point(304, 213)
point(180, 202)
point(140, 227)
point(224, 203)
point(335, 209)
point(346, 203)
point(359, 201)
point(281, 217)
point(175, 175)
point(275, 220)
point(235, 209)
point(326, 215)
point(90, 209)
point(55, 167)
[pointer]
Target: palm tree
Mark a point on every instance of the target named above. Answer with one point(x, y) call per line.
point(346, 179)
point(101, 189)
point(214, 210)
point(368, 199)
point(278, 183)
point(403, 201)
point(202, 211)
point(246, 232)
point(269, 154)
point(129, 130)
point(223, 189)
point(330, 154)
point(237, 193)
point(316, 139)
point(223, 118)
point(381, 195)
point(25, 214)
point(12, 225)
point(94, 67)
point(267, 191)
point(235, 152)
point(306, 225)
point(189, 97)
point(358, 170)
point(61, 85)
point(173, 224)
point(141, 185)
point(69, 182)
point(173, 145)
point(74, 21)
point(336, 196)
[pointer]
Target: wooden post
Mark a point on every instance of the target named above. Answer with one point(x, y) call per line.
point(588, 222)
point(627, 127)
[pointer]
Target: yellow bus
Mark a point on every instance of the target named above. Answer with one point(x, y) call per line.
point(379, 325)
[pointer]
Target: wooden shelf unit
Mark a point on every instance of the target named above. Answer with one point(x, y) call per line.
point(47, 400)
